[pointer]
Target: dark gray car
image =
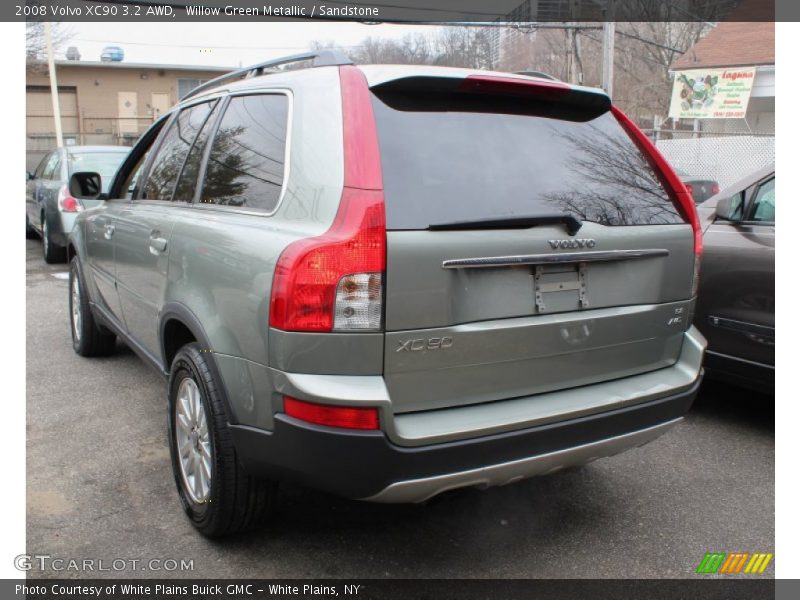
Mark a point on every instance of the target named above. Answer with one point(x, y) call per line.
point(736, 302)
point(701, 188)
point(50, 207)
point(387, 282)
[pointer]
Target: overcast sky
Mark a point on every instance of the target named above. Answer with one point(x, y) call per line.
point(221, 44)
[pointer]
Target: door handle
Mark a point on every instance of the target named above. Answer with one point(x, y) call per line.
point(157, 245)
point(109, 232)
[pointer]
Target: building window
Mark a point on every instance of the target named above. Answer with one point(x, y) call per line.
point(186, 85)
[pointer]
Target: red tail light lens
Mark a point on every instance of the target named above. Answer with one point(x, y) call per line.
point(308, 272)
point(347, 417)
point(676, 189)
point(714, 188)
point(67, 203)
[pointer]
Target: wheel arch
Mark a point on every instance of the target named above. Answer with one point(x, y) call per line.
point(178, 325)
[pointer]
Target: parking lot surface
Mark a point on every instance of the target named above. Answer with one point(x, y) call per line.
point(99, 486)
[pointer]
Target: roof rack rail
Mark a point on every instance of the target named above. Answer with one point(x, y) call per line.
point(540, 74)
point(321, 58)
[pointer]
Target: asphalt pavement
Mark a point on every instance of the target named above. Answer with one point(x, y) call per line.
point(99, 487)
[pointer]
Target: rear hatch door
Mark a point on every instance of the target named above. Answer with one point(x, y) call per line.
point(529, 245)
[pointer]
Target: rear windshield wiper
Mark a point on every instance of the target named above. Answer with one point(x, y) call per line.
point(571, 222)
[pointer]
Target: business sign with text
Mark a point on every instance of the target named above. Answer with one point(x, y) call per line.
point(712, 93)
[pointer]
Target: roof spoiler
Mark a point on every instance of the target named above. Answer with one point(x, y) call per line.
point(507, 93)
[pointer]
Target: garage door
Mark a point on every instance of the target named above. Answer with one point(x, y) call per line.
point(39, 110)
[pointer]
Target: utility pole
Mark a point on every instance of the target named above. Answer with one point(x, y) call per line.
point(51, 67)
point(609, 28)
point(574, 69)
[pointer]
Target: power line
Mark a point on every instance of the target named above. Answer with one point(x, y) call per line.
point(650, 42)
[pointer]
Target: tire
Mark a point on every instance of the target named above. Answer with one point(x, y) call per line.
point(30, 232)
point(223, 499)
point(52, 252)
point(88, 338)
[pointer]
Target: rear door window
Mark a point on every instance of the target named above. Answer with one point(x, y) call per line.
point(246, 163)
point(172, 153)
point(187, 180)
point(458, 161)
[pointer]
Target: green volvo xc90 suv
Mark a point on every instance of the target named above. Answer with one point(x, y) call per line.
point(390, 281)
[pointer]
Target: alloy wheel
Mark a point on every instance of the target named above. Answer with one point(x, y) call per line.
point(77, 318)
point(193, 441)
point(45, 237)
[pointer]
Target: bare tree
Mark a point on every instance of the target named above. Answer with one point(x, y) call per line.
point(644, 52)
point(449, 46)
point(412, 49)
point(464, 47)
point(35, 44)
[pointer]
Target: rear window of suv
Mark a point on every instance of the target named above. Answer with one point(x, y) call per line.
point(445, 162)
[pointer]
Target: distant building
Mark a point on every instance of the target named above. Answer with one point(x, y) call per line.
point(103, 102)
point(739, 44)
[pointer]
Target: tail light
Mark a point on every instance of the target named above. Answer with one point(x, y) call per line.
point(678, 192)
point(348, 417)
point(334, 282)
point(66, 202)
point(714, 188)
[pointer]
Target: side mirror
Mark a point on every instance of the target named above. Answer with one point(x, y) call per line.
point(30, 175)
point(730, 209)
point(86, 185)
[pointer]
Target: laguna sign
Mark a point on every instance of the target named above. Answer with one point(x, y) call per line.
point(712, 93)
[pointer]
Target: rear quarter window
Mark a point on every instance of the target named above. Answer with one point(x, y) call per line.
point(459, 162)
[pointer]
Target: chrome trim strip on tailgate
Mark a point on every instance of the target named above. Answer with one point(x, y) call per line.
point(419, 490)
point(548, 259)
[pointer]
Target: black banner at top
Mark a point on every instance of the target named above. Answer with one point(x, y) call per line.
point(402, 11)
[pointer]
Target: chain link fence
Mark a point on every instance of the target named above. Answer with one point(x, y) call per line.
point(723, 157)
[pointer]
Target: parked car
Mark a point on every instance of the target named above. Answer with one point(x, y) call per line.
point(112, 54)
point(736, 301)
point(701, 189)
point(387, 282)
point(51, 207)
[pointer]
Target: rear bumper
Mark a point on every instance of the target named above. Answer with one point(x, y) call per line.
point(367, 465)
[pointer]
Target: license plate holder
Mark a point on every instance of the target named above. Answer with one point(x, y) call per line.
point(559, 288)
